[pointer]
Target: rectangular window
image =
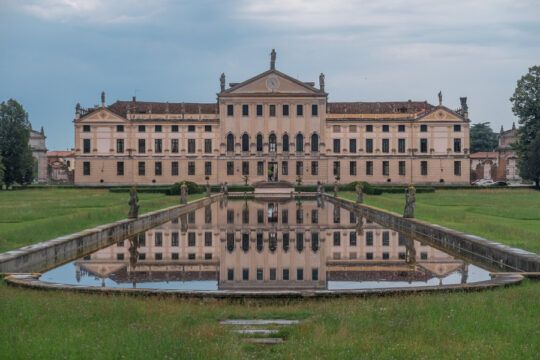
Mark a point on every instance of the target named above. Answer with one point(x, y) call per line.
point(230, 110)
point(158, 239)
point(272, 273)
point(314, 274)
point(385, 128)
point(369, 238)
point(299, 168)
point(158, 145)
point(191, 217)
point(259, 110)
point(285, 110)
point(158, 168)
point(174, 128)
point(299, 216)
point(314, 110)
point(352, 238)
point(352, 146)
point(207, 128)
point(175, 256)
point(191, 146)
point(337, 145)
point(119, 128)
point(207, 168)
point(457, 128)
point(385, 256)
point(245, 110)
point(245, 167)
point(174, 168)
point(191, 128)
point(423, 167)
point(423, 128)
point(142, 146)
point(191, 168)
point(230, 168)
point(300, 274)
point(86, 128)
point(230, 274)
point(385, 145)
point(401, 128)
point(369, 167)
point(208, 238)
point(336, 128)
point(314, 216)
point(401, 146)
point(369, 145)
point(457, 168)
point(285, 168)
point(245, 274)
point(86, 146)
point(158, 256)
point(385, 168)
point(191, 256)
point(272, 110)
point(423, 145)
point(142, 170)
point(208, 146)
point(174, 146)
point(385, 238)
point(142, 128)
point(337, 238)
point(259, 274)
point(230, 216)
point(120, 146)
point(299, 110)
point(369, 128)
point(457, 145)
point(337, 168)
point(191, 239)
point(86, 168)
point(260, 168)
point(314, 168)
point(402, 168)
point(120, 168)
point(157, 128)
point(352, 168)
point(285, 274)
point(175, 239)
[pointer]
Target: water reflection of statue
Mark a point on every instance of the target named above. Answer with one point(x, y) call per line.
point(133, 252)
point(183, 223)
point(360, 226)
point(359, 194)
point(410, 200)
point(410, 251)
point(183, 193)
point(133, 204)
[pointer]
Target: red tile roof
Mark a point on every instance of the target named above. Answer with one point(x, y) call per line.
point(406, 107)
point(484, 155)
point(145, 107)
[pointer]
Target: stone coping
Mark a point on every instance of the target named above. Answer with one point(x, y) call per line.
point(32, 281)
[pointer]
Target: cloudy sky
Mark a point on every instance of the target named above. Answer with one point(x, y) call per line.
point(56, 53)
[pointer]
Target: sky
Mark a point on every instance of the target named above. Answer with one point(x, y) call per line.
point(55, 53)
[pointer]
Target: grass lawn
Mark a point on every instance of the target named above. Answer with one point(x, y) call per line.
point(35, 215)
point(495, 324)
point(510, 217)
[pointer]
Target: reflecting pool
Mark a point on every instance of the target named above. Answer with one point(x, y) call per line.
point(268, 245)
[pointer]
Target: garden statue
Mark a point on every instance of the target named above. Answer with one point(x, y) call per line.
point(225, 188)
point(208, 190)
point(319, 188)
point(410, 200)
point(183, 193)
point(336, 188)
point(359, 194)
point(133, 203)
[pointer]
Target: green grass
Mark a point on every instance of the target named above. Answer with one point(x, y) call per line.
point(35, 215)
point(510, 217)
point(495, 324)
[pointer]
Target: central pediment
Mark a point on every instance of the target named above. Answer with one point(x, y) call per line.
point(272, 82)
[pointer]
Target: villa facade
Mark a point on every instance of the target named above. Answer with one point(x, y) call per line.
point(271, 127)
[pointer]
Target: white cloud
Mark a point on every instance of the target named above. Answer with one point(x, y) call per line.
point(92, 11)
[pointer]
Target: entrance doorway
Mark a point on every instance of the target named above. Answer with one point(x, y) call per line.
point(272, 171)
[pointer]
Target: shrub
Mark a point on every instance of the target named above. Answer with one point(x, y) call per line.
point(192, 188)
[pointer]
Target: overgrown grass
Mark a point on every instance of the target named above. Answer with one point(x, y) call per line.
point(34, 215)
point(499, 324)
point(510, 217)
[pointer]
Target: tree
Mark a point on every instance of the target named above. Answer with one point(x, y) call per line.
point(526, 106)
point(15, 149)
point(2, 170)
point(482, 138)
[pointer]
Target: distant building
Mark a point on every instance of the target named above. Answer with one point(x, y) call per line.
point(39, 151)
point(501, 164)
point(60, 167)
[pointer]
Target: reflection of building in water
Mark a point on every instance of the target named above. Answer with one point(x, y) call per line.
point(260, 245)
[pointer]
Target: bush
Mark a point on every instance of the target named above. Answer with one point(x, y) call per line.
point(192, 188)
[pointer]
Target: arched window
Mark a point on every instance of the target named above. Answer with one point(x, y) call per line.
point(299, 143)
point(285, 143)
point(259, 142)
point(230, 143)
point(272, 143)
point(245, 142)
point(314, 143)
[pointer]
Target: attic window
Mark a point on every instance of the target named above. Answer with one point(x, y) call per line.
point(457, 128)
point(403, 110)
point(86, 128)
point(423, 128)
point(119, 128)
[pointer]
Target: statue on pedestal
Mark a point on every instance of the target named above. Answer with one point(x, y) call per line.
point(336, 188)
point(133, 204)
point(208, 189)
point(183, 193)
point(225, 188)
point(359, 193)
point(410, 200)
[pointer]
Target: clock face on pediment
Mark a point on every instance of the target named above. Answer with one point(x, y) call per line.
point(272, 83)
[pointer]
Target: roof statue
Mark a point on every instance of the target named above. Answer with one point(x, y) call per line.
point(321, 82)
point(222, 81)
point(43, 131)
point(440, 98)
point(513, 126)
point(103, 99)
point(464, 106)
point(78, 108)
point(273, 60)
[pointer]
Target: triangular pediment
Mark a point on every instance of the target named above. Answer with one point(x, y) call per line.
point(102, 270)
point(272, 82)
point(441, 113)
point(102, 115)
point(442, 269)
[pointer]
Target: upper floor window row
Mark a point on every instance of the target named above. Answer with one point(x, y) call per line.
point(285, 110)
point(159, 128)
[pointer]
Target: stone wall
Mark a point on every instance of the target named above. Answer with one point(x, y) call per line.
point(491, 254)
point(50, 254)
